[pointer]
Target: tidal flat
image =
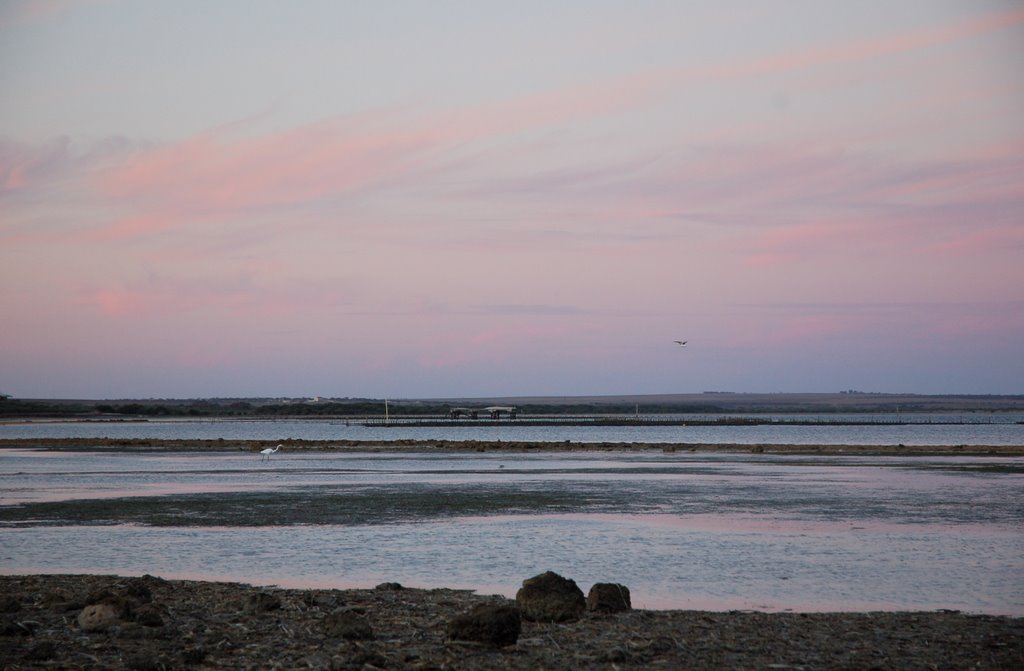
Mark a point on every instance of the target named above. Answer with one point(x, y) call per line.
point(713, 530)
point(142, 444)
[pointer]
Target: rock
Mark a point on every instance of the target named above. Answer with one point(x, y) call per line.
point(60, 601)
point(193, 656)
point(139, 588)
point(497, 625)
point(42, 652)
point(98, 617)
point(320, 601)
point(148, 615)
point(549, 597)
point(348, 625)
point(121, 605)
point(146, 661)
point(608, 597)
point(10, 627)
point(318, 661)
point(362, 659)
point(10, 603)
point(261, 602)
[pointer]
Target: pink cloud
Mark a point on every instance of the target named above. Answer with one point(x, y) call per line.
point(133, 226)
point(121, 302)
point(768, 203)
point(612, 95)
point(790, 243)
point(216, 173)
point(237, 297)
point(225, 172)
point(979, 242)
point(859, 50)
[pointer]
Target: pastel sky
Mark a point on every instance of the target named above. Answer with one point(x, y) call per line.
point(456, 198)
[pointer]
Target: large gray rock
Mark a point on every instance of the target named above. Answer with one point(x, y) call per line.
point(497, 625)
point(549, 597)
point(608, 597)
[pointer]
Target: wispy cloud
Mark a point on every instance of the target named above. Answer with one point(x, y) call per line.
point(783, 199)
point(872, 48)
point(20, 12)
point(24, 166)
point(215, 173)
point(262, 296)
point(536, 310)
point(229, 170)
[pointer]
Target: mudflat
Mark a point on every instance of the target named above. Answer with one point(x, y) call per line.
point(151, 623)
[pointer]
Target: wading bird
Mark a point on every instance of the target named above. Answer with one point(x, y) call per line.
point(267, 451)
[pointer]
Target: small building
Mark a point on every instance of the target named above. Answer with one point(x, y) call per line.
point(493, 411)
point(496, 411)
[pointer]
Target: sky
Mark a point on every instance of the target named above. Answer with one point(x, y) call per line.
point(457, 199)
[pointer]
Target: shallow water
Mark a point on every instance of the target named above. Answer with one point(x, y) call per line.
point(867, 429)
point(690, 530)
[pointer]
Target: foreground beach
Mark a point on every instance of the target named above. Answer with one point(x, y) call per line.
point(161, 624)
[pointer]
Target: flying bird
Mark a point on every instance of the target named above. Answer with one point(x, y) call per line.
point(267, 451)
point(682, 343)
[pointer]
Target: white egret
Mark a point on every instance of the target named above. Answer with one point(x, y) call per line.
point(267, 451)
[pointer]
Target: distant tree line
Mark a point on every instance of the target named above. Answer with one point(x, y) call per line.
point(365, 407)
point(11, 407)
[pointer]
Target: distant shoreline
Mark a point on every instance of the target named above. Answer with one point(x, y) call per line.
point(369, 409)
point(470, 446)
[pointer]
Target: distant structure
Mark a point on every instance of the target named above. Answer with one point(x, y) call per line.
point(493, 411)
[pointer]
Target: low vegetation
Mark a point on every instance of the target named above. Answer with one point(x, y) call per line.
point(706, 403)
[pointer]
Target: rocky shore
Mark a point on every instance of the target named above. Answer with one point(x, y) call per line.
point(147, 623)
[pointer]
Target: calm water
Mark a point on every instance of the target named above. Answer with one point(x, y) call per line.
point(928, 429)
point(682, 530)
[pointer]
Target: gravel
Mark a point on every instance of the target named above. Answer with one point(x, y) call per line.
point(162, 624)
